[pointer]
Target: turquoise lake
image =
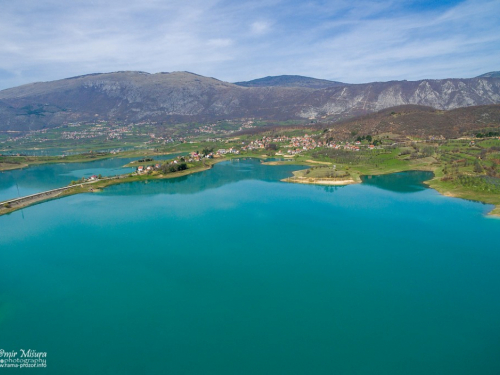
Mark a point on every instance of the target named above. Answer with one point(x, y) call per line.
point(56, 151)
point(34, 179)
point(231, 271)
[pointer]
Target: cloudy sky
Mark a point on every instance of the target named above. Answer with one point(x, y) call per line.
point(346, 40)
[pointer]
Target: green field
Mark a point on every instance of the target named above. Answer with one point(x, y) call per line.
point(467, 168)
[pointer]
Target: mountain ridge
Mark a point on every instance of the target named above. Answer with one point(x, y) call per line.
point(495, 74)
point(174, 97)
point(290, 81)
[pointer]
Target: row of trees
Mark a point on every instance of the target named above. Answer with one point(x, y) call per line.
point(362, 138)
point(206, 151)
point(487, 135)
point(480, 183)
point(170, 168)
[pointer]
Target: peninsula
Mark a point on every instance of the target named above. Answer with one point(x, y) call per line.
point(456, 173)
point(461, 147)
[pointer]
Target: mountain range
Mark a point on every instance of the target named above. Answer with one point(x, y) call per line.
point(133, 96)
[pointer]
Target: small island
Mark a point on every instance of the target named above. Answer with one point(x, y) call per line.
point(465, 167)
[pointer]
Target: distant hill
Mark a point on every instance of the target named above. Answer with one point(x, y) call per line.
point(490, 75)
point(412, 120)
point(187, 97)
point(290, 81)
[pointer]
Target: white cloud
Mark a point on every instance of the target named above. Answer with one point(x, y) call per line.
point(351, 41)
point(260, 27)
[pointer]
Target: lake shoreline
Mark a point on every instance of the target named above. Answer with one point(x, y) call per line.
point(97, 186)
point(323, 182)
point(10, 163)
point(435, 183)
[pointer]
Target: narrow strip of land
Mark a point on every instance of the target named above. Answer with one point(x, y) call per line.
point(15, 204)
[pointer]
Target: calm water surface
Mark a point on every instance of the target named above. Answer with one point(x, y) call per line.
point(58, 151)
point(230, 271)
point(31, 180)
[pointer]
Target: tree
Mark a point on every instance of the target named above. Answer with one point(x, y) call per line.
point(428, 151)
point(477, 167)
point(207, 151)
point(272, 146)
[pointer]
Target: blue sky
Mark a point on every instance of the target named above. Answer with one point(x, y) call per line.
point(351, 41)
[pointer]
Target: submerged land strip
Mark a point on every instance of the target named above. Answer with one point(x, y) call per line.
point(466, 167)
point(95, 185)
point(319, 176)
point(12, 162)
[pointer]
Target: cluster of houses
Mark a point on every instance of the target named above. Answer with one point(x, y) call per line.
point(145, 169)
point(216, 129)
point(98, 130)
point(264, 142)
point(33, 135)
point(299, 144)
point(210, 129)
point(231, 150)
point(305, 143)
point(194, 156)
point(153, 138)
point(348, 146)
point(296, 145)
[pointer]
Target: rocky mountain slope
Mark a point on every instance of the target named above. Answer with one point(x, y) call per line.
point(186, 97)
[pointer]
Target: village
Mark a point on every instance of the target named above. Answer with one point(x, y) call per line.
point(145, 133)
point(298, 144)
point(194, 156)
point(281, 145)
point(292, 145)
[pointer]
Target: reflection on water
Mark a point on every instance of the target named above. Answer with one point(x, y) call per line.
point(35, 179)
point(332, 188)
point(252, 169)
point(252, 278)
point(403, 182)
point(221, 174)
point(39, 178)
